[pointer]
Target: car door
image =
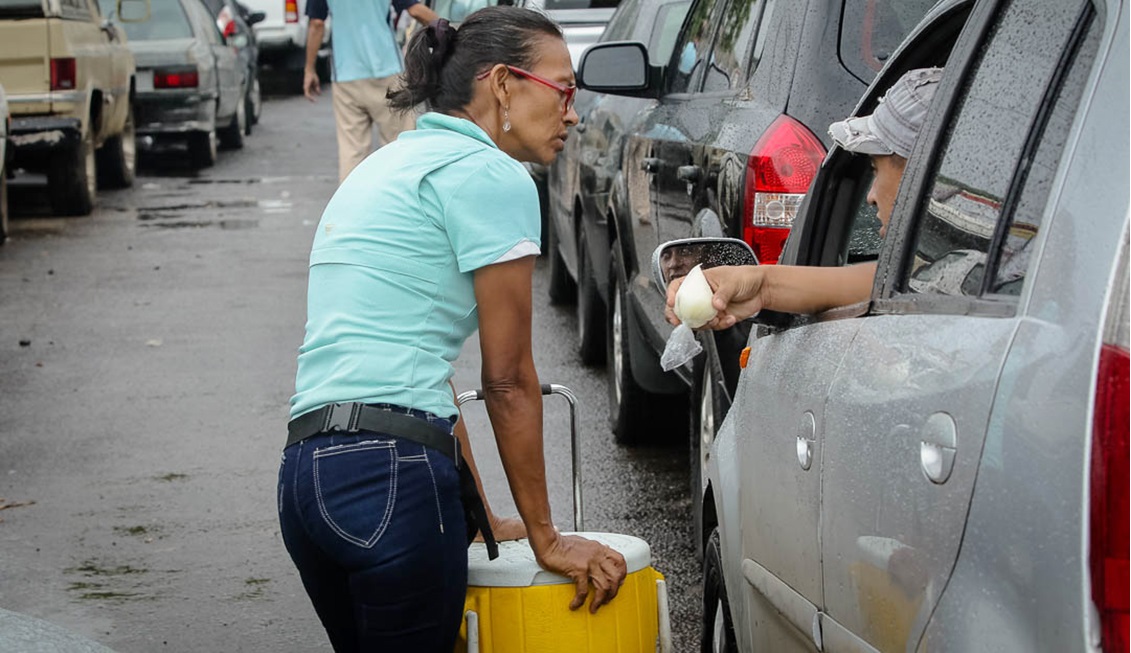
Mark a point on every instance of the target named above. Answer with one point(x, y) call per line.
point(655, 151)
point(229, 72)
point(908, 411)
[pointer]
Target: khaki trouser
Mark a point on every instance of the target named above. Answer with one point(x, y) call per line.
point(358, 105)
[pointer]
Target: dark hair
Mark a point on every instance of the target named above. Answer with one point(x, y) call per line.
point(441, 61)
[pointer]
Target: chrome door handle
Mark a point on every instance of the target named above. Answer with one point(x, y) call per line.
point(689, 173)
point(650, 164)
point(938, 447)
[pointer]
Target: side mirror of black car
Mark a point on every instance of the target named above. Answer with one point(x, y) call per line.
point(255, 17)
point(619, 68)
point(675, 258)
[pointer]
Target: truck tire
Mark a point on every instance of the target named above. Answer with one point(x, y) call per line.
point(202, 149)
point(71, 177)
point(117, 159)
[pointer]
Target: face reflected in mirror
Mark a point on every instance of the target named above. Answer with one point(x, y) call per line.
point(677, 260)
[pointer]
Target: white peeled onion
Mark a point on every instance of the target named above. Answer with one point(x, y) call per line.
point(693, 300)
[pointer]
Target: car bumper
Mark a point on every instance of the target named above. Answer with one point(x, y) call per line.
point(174, 113)
point(44, 133)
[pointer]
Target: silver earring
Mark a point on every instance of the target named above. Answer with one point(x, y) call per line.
point(506, 120)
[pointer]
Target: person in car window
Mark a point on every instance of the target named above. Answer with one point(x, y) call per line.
point(366, 62)
point(432, 238)
point(887, 136)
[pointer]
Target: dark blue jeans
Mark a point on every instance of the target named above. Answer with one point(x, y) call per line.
point(375, 526)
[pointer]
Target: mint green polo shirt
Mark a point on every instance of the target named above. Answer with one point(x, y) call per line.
point(390, 298)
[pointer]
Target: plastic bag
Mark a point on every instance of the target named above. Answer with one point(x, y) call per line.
point(681, 348)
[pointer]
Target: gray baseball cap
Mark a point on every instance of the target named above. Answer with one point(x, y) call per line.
point(894, 125)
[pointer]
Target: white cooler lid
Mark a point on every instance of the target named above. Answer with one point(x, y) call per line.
point(516, 567)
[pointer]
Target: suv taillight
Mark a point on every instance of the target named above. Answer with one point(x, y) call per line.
point(1110, 494)
point(290, 10)
point(176, 78)
point(781, 166)
point(63, 74)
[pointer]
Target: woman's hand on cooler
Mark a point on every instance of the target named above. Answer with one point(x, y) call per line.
point(588, 564)
point(739, 293)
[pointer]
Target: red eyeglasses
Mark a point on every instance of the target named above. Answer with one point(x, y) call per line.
point(566, 91)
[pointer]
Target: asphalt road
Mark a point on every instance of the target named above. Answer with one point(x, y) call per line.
point(146, 363)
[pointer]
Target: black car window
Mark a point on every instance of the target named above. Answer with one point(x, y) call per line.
point(727, 69)
point(691, 47)
point(623, 20)
point(984, 145)
point(167, 20)
point(664, 32)
point(870, 30)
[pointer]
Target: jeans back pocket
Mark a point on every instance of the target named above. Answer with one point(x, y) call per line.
point(356, 488)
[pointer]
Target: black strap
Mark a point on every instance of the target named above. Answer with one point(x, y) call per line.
point(354, 417)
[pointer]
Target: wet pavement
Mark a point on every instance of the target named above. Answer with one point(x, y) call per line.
point(146, 362)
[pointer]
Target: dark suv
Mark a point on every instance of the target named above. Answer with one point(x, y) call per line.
point(734, 134)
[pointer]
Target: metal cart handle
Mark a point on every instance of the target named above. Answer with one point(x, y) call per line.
point(553, 389)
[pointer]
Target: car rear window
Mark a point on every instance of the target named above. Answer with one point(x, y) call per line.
point(167, 20)
point(872, 29)
point(555, 5)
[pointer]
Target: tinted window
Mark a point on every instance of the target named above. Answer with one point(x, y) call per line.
point(21, 8)
point(871, 30)
point(694, 40)
point(167, 20)
point(984, 144)
point(554, 5)
point(727, 69)
point(665, 31)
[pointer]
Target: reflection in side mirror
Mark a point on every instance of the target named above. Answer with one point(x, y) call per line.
point(675, 258)
point(620, 68)
point(133, 11)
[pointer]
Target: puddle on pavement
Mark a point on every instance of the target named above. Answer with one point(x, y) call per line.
point(172, 476)
point(255, 589)
point(229, 225)
point(99, 578)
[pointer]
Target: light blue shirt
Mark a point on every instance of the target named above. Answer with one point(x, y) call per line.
point(391, 297)
point(364, 46)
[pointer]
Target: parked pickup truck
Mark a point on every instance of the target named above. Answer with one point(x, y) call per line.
point(69, 78)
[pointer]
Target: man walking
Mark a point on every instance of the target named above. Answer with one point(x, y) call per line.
point(366, 62)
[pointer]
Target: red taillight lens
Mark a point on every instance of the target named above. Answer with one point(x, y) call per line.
point(290, 9)
point(1110, 499)
point(225, 22)
point(63, 74)
point(779, 171)
point(176, 78)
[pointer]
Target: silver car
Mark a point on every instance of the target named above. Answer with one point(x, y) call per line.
point(190, 82)
point(945, 466)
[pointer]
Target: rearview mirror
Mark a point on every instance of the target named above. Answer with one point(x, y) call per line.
point(620, 68)
point(675, 258)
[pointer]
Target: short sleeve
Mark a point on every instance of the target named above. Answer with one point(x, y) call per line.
point(403, 5)
point(317, 9)
point(492, 211)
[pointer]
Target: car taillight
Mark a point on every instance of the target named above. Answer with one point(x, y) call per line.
point(225, 23)
point(290, 8)
point(781, 166)
point(1110, 494)
point(176, 78)
point(63, 74)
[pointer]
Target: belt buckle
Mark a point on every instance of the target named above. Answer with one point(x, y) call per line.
point(341, 417)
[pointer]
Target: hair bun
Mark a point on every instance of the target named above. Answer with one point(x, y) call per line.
point(441, 37)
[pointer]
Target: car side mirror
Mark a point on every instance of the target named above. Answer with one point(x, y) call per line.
point(619, 68)
point(675, 258)
point(255, 17)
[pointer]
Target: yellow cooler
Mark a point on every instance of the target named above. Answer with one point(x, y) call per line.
point(515, 606)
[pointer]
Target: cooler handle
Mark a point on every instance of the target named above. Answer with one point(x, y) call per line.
point(548, 389)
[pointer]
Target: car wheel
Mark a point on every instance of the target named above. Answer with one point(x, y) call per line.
point(562, 289)
point(254, 104)
point(629, 414)
point(717, 634)
point(202, 149)
point(590, 308)
point(117, 158)
point(3, 207)
point(704, 422)
point(71, 178)
point(231, 137)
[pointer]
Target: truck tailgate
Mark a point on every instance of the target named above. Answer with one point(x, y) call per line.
point(24, 66)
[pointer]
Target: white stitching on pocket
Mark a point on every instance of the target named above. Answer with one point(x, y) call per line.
point(435, 490)
point(389, 503)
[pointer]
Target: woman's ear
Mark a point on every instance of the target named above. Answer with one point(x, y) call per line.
point(499, 78)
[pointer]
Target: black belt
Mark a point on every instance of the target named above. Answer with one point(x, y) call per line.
point(354, 417)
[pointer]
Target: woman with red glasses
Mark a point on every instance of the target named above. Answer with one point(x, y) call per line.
point(429, 239)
